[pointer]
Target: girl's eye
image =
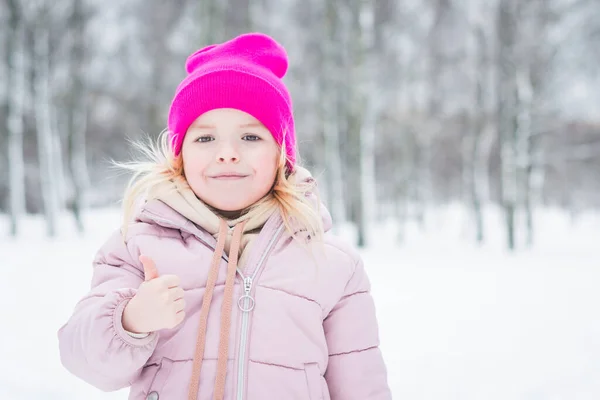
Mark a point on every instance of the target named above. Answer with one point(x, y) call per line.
point(204, 139)
point(251, 138)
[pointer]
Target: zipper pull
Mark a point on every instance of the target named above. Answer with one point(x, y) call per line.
point(246, 302)
point(247, 284)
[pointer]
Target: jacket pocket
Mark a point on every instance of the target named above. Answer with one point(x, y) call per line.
point(313, 380)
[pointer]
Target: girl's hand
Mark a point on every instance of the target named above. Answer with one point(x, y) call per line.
point(158, 304)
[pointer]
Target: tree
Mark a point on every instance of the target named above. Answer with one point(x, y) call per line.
point(507, 112)
point(39, 36)
point(330, 81)
point(479, 132)
point(15, 92)
point(76, 111)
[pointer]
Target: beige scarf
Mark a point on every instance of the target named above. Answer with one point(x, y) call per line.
point(180, 197)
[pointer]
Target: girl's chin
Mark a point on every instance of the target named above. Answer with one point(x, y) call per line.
point(227, 206)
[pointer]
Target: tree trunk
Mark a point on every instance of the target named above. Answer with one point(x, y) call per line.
point(355, 114)
point(375, 97)
point(76, 117)
point(367, 165)
point(331, 127)
point(507, 115)
point(333, 161)
point(15, 91)
point(58, 136)
point(423, 192)
point(45, 134)
point(470, 192)
point(435, 101)
point(478, 144)
point(524, 137)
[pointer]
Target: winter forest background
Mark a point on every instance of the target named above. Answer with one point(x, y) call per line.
point(428, 102)
point(401, 105)
point(456, 141)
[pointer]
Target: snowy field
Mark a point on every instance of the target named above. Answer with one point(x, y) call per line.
point(456, 321)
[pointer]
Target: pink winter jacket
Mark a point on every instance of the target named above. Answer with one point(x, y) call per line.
point(312, 333)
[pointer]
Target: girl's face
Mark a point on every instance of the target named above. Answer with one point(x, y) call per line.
point(229, 159)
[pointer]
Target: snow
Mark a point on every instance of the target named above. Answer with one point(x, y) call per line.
point(457, 321)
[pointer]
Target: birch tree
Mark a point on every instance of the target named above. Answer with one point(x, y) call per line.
point(15, 96)
point(371, 105)
point(330, 81)
point(436, 62)
point(507, 112)
point(478, 139)
point(354, 115)
point(48, 158)
point(369, 97)
point(76, 112)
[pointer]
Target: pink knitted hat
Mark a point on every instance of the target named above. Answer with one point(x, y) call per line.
point(244, 73)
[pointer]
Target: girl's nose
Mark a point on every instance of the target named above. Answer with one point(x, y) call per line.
point(227, 159)
point(227, 153)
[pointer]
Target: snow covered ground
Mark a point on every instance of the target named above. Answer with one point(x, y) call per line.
point(456, 321)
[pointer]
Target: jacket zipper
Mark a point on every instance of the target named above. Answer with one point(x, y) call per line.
point(246, 298)
point(246, 304)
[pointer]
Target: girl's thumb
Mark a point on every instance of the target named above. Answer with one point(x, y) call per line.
point(150, 271)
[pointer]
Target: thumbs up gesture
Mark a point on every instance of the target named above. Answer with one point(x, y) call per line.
point(158, 303)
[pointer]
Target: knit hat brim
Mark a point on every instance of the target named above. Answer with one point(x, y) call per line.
point(231, 88)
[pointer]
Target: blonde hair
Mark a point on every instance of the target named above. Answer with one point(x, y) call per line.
point(159, 165)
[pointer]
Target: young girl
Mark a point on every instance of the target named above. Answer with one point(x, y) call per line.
point(222, 283)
